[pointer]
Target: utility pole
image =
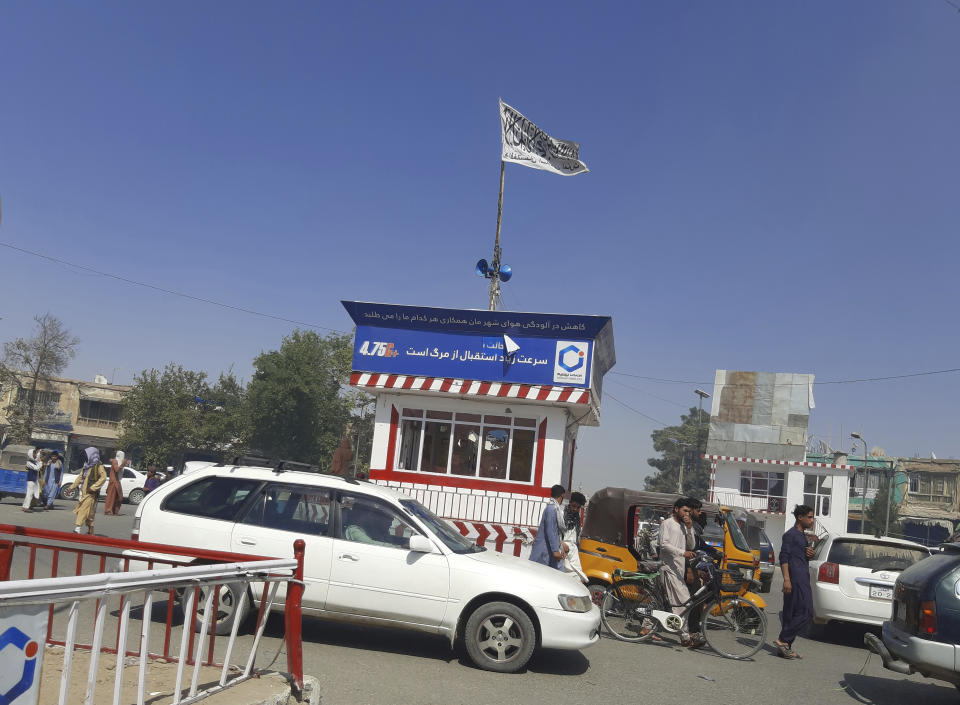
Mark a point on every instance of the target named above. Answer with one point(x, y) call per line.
point(866, 479)
point(683, 452)
point(703, 395)
point(886, 530)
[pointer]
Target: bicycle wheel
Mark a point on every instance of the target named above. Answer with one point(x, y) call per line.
point(618, 612)
point(734, 627)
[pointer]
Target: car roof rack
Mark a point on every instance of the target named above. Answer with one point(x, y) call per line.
point(279, 466)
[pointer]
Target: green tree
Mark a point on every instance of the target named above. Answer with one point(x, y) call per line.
point(170, 411)
point(695, 483)
point(224, 420)
point(28, 361)
point(297, 401)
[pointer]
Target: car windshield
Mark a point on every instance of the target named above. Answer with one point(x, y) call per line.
point(713, 533)
point(875, 555)
point(443, 530)
point(739, 540)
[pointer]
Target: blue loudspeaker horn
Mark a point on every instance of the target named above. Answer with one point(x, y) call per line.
point(482, 269)
point(506, 271)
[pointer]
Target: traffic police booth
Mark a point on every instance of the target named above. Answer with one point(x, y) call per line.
point(477, 412)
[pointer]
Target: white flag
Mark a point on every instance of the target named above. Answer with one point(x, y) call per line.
point(525, 143)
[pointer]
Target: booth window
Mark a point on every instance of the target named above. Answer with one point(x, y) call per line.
point(410, 431)
point(816, 493)
point(436, 441)
point(762, 483)
point(467, 445)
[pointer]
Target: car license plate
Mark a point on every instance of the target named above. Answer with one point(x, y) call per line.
point(880, 592)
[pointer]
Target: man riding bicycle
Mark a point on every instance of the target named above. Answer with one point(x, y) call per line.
point(676, 547)
point(697, 520)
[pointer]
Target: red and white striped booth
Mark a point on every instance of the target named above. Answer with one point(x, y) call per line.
point(477, 412)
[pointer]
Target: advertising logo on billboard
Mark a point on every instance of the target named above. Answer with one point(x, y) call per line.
point(22, 632)
point(570, 364)
point(377, 348)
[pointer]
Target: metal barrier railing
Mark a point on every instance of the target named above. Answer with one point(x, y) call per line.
point(189, 573)
point(764, 505)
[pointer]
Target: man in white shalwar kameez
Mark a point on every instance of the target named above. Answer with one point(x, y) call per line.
point(676, 546)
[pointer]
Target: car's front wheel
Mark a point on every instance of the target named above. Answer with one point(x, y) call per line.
point(68, 492)
point(136, 496)
point(597, 590)
point(231, 607)
point(500, 637)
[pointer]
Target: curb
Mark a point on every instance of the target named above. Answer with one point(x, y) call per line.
point(311, 691)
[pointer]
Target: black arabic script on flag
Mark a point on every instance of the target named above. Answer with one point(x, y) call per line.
point(525, 143)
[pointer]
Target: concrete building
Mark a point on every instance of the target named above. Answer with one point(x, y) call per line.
point(865, 484)
point(71, 415)
point(758, 455)
point(770, 489)
point(931, 505)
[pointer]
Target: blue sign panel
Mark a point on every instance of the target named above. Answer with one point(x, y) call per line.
point(560, 361)
point(448, 320)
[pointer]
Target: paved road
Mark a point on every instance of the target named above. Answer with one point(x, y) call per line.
point(357, 666)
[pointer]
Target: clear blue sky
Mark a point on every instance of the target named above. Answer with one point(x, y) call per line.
point(773, 186)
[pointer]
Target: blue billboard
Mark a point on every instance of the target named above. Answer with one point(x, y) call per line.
point(542, 361)
point(491, 346)
point(453, 320)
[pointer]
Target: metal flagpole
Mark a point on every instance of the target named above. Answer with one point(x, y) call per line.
point(495, 268)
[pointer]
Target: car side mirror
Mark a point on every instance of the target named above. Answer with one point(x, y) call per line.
point(421, 544)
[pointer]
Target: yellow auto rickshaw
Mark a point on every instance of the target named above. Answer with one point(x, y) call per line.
point(616, 529)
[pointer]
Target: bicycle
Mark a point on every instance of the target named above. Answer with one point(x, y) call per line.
point(633, 609)
point(646, 543)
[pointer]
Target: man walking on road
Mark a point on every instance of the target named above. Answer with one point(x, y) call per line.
point(548, 548)
point(570, 535)
point(90, 480)
point(114, 489)
point(34, 465)
point(795, 554)
point(51, 480)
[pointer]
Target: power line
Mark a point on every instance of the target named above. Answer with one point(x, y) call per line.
point(271, 316)
point(658, 379)
point(643, 391)
point(886, 378)
point(636, 411)
point(889, 377)
point(241, 309)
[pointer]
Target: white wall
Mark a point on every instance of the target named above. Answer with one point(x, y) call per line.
point(836, 522)
point(555, 464)
point(727, 491)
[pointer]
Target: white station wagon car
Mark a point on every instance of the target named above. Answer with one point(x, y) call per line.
point(131, 484)
point(853, 576)
point(373, 556)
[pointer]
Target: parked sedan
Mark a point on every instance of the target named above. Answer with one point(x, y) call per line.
point(131, 483)
point(853, 576)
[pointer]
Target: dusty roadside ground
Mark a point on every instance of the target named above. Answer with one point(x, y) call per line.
point(160, 681)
